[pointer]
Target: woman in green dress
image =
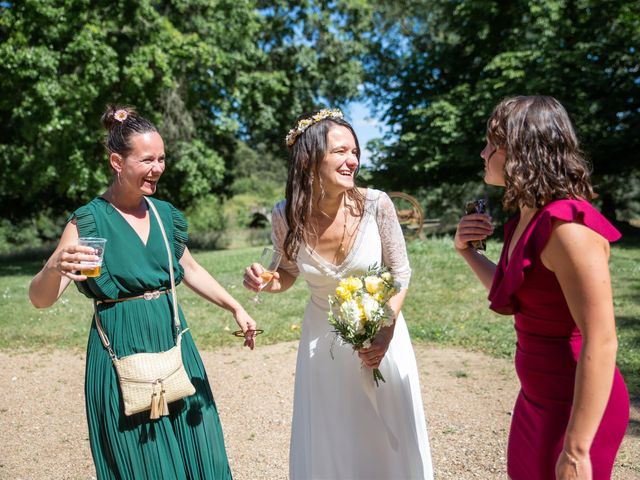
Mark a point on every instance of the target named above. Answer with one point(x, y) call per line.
point(188, 443)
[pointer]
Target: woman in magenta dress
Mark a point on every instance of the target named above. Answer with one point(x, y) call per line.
point(553, 276)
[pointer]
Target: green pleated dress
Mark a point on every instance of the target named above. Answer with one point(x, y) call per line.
point(187, 444)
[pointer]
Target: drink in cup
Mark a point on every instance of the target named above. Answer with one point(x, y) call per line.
point(92, 269)
point(270, 260)
point(266, 277)
point(477, 206)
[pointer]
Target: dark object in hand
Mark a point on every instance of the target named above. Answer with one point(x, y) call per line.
point(476, 206)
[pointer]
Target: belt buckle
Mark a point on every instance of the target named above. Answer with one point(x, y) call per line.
point(151, 295)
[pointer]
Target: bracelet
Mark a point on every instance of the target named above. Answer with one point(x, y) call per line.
point(572, 460)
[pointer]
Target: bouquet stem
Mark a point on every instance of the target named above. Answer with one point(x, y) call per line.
point(377, 376)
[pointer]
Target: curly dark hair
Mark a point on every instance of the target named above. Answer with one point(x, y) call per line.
point(305, 156)
point(543, 158)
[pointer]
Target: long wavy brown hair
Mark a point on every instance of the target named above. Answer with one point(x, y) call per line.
point(543, 158)
point(305, 157)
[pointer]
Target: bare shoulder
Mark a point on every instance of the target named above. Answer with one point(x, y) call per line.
point(571, 242)
point(70, 234)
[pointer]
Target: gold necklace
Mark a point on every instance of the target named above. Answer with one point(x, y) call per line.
point(341, 246)
point(344, 232)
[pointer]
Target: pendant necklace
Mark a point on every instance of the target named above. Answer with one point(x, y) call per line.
point(341, 249)
point(341, 246)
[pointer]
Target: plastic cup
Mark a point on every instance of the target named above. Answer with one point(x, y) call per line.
point(92, 269)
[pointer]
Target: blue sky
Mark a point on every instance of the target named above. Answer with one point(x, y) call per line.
point(365, 125)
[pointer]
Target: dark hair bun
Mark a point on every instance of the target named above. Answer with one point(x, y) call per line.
point(121, 123)
point(116, 115)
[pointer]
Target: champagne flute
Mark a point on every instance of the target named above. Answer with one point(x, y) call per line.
point(270, 260)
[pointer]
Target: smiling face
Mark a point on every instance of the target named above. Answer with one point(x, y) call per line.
point(141, 169)
point(338, 168)
point(494, 159)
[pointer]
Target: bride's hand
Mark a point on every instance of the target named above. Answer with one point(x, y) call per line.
point(373, 355)
point(253, 282)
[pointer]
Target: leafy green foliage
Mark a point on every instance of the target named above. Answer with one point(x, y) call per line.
point(310, 51)
point(258, 171)
point(42, 230)
point(438, 68)
point(207, 224)
point(211, 74)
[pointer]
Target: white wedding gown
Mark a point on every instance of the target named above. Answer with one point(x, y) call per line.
point(343, 426)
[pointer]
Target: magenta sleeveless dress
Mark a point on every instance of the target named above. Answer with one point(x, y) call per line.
point(548, 350)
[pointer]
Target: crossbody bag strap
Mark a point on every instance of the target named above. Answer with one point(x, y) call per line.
point(103, 336)
point(176, 318)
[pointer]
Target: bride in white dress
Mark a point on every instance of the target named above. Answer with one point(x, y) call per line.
point(343, 426)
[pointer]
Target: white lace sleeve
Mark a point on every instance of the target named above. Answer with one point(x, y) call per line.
point(279, 231)
point(394, 250)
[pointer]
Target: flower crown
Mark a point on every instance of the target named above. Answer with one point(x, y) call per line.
point(305, 123)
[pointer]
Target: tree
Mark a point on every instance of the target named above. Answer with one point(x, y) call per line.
point(211, 74)
point(439, 67)
point(311, 54)
point(64, 61)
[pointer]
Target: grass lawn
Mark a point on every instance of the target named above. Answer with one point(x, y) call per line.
point(445, 305)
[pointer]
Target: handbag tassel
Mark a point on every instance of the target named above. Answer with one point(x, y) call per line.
point(159, 405)
point(154, 406)
point(163, 403)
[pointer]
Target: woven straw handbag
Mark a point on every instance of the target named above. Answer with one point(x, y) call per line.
point(150, 381)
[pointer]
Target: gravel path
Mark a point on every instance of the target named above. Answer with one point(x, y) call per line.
point(468, 399)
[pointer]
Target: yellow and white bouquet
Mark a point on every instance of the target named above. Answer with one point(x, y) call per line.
point(359, 309)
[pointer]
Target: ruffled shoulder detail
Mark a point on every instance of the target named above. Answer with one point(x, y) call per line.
point(509, 277)
point(102, 286)
point(180, 231)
